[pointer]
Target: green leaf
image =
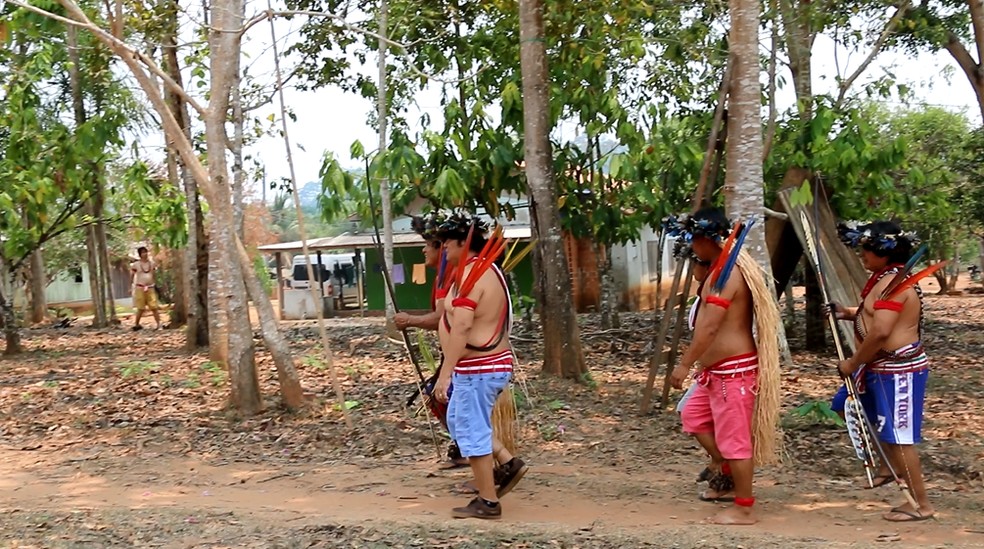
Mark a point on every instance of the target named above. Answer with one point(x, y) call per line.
point(357, 150)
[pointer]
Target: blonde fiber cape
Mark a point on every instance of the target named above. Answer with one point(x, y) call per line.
point(767, 434)
point(504, 419)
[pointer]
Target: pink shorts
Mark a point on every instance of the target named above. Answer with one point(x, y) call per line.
point(724, 405)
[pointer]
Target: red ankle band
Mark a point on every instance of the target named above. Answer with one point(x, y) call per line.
point(726, 468)
point(744, 502)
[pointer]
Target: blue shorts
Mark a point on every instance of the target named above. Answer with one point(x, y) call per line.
point(899, 399)
point(470, 410)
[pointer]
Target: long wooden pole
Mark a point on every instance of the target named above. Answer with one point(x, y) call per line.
point(646, 405)
point(677, 334)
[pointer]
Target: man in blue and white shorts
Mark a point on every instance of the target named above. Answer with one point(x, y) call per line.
point(890, 364)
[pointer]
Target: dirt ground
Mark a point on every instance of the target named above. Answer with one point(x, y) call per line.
point(113, 438)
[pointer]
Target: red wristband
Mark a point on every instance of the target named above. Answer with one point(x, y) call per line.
point(464, 303)
point(744, 502)
point(886, 305)
point(719, 301)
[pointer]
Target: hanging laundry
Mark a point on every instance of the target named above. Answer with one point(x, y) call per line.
point(419, 274)
point(398, 275)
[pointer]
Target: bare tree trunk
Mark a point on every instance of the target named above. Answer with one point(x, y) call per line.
point(816, 335)
point(562, 353)
point(743, 188)
point(980, 258)
point(9, 320)
point(609, 301)
point(91, 239)
point(940, 277)
point(227, 284)
point(194, 274)
point(799, 45)
point(238, 175)
point(954, 266)
point(95, 288)
point(102, 252)
point(386, 202)
point(223, 46)
point(744, 182)
point(290, 383)
point(179, 310)
point(39, 307)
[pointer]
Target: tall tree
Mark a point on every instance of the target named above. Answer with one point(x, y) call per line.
point(96, 280)
point(45, 164)
point(743, 186)
point(562, 353)
point(235, 272)
point(195, 261)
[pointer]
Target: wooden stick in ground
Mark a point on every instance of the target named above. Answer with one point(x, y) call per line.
point(677, 334)
point(705, 169)
point(318, 302)
point(646, 405)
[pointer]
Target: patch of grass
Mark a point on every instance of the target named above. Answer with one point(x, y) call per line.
point(192, 382)
point(519, 397)
point(51, 384)
point(137, 368)
point(349, 404)
point(548, 432)
point(215, 372)
point(588, 380)
point(555, 405)
point(315, 362)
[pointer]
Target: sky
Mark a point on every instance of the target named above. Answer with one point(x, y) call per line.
point(331, 119)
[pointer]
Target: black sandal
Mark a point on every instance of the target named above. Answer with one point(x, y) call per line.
point(721, 483)
point(705, 475)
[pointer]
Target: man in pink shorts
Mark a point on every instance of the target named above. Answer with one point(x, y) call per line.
point(719, 412)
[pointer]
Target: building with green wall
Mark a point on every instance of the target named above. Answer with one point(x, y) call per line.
point(414, 296)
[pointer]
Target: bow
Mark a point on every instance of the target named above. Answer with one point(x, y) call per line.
point(859, 427)
point(377, 241)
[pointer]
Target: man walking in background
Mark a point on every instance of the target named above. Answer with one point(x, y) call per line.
point(144, 288)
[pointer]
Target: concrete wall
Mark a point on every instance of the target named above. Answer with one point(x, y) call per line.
point(635, 271)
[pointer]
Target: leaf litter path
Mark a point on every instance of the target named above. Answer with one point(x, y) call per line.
point(116, 439)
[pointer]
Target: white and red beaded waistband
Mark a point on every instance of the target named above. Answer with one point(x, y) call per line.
point(486, 364)
point(729, 367)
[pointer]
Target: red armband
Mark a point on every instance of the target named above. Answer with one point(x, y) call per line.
point(886, 305)
point(719, 301)
point(464, 303)
point(441, 293)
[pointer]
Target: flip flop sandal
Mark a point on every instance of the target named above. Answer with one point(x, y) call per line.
point(912, 516)
point(879, 481)
point(451, 465)
point(724, 499)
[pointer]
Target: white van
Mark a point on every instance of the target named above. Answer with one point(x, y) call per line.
point(331, 263)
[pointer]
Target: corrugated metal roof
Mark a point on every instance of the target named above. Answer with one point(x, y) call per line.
point(368, 240)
